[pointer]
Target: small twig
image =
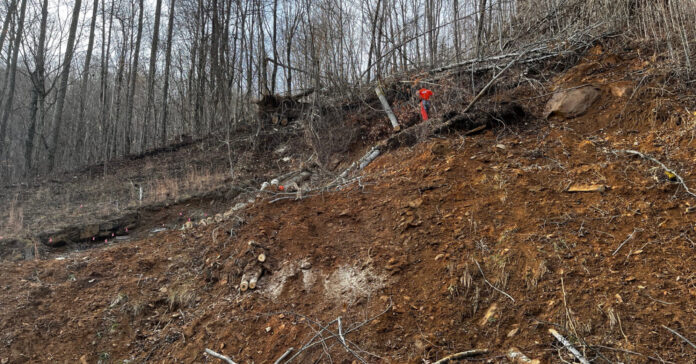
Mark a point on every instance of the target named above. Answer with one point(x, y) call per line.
point(625, 241)
point(680, 180)
point(490, 284)
point(285, 355)
point(219, 356)
point(630, 352)
point(680, 336)
point(462, 355)
point(569, 346)
point(340, 331)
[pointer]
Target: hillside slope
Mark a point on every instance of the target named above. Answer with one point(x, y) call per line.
point(453, 244)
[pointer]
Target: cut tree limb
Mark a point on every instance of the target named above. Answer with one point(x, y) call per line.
point(569, 346)
point(462, 355)
point(387, 108)
point(254, 276)
point(219, 356)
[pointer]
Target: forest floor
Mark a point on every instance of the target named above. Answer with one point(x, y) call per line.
point(454, 244)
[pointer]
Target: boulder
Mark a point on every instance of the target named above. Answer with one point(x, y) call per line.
point(571, 103)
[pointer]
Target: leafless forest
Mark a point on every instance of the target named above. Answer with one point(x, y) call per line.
point(87, 81)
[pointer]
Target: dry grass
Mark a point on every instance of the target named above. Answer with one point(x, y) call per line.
point(15, 219)
point(181, 296)
point(192, 182)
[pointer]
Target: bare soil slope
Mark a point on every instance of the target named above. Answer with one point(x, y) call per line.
point(454, 244)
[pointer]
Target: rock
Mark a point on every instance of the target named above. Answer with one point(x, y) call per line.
point(572, 103)
point(306, 265)
point(89, 231)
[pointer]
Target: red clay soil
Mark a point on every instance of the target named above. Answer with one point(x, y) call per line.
point(454, 244)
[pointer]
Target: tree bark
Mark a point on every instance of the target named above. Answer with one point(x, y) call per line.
point(167, 65)
point(479, 34)
point(13, 76)
point(150, 109)
point(133, 81)
point(38, 93)
point(81, 132)
point(63, 86)
point(6, 24)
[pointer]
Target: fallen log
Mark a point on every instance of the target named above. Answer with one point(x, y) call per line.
point(244, 284)
point(254, 276)
point(387, 108)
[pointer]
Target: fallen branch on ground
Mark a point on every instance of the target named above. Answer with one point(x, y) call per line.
point(625, 241)
point(219, 356)
point(318, 334)
point(680, 336)
point(462, 355)
point(490, 284)
point(679, 178)
point(569, 346)
point(285, 355)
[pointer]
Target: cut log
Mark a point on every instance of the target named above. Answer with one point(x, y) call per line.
point(261, 258)
point(387, 108)
point(244, 285)
point(254, 277)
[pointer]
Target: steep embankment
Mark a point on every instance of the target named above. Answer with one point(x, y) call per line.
point(453, 244)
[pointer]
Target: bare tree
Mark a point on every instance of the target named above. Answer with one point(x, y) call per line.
point(150, 112)
point(81, 132)
point(167, 65)
point(13, 75)
point(6, 23)
point(38, 94)
point(133, 80)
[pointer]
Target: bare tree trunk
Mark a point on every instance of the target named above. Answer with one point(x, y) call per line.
point(13, 73)
point(133, 81)
point(479, 34)
point(6, 24)
point(105, 105)
point(81, 132)
point(274, 73)
point(167, 65)
point(455, 26)
point(63, 86)
point(38, 93)
point(151, 77)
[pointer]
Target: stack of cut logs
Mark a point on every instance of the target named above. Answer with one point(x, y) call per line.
point(255, 267)
point(289, 182)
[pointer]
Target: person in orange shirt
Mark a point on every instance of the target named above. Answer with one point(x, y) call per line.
point(425, 95)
